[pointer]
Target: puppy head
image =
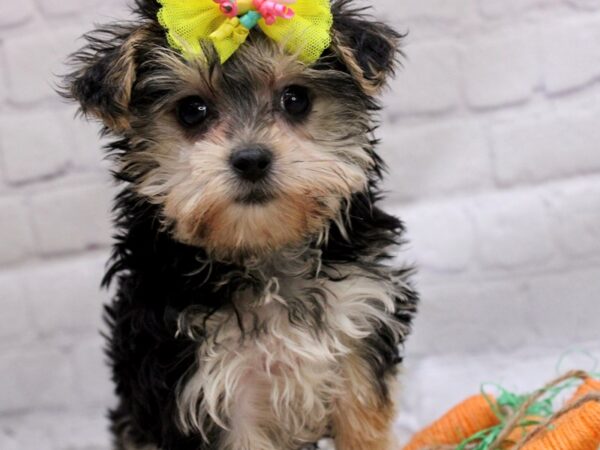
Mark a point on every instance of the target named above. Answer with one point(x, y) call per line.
point(246, 157)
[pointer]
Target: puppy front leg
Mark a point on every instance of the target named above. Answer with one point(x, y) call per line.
point(363, 418)
point(364, 427)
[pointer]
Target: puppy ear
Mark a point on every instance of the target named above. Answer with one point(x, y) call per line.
point(368, 48)
point(105, 72)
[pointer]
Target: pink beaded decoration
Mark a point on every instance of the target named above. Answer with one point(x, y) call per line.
point(271, 9)
point(228, 7)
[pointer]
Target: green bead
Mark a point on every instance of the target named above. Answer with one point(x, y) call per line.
point(250, 19)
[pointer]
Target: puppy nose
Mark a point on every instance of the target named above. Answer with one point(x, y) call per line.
point(251, 163)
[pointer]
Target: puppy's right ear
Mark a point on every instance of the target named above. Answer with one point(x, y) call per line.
point(105, 72)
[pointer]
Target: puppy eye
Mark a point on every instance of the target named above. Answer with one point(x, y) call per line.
point(295, 100)
point(192, 111)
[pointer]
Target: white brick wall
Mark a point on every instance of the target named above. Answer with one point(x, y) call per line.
point(491, 133)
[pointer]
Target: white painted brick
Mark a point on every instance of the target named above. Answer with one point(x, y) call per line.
point(575, 215)
point(429, 9)
point(436, 160)
point(33, 145)
point(571, 55)
point(512, 231)
point(59, 430)
point(584, 4)
point(541, 6)
point(15, 13)
point(16, 318)
point(472, 318)
point(107, 11)
point(73, 218)
point(39, 376)
point(35, 60)
point(39, 435)
point(495, 9)
point(484, 64)
point(440, 235)
point(429, 81)
point(89, 432)
point(30, 58)
point(567, 307)
point(551, 147)
point(3, 93)
point(66, 296)
point(17, 237)
point(8, 441)
point(93, 378)
point(85, 141)
point(59, 7)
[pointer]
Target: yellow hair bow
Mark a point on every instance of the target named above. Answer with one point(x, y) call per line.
point(302, 26)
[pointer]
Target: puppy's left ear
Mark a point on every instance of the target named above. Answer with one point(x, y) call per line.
point(369, 49)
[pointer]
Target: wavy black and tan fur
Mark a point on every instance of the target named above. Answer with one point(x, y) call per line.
point(248, 316)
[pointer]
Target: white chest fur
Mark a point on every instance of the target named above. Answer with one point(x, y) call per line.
point(273, 385)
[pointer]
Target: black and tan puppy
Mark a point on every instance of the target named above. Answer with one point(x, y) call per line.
point(255, 308)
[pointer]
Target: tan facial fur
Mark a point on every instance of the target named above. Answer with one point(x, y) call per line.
point(318, 164)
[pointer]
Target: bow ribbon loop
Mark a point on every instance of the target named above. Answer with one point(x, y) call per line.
point(302, 26)
point(231, 28)
point(270, 10)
